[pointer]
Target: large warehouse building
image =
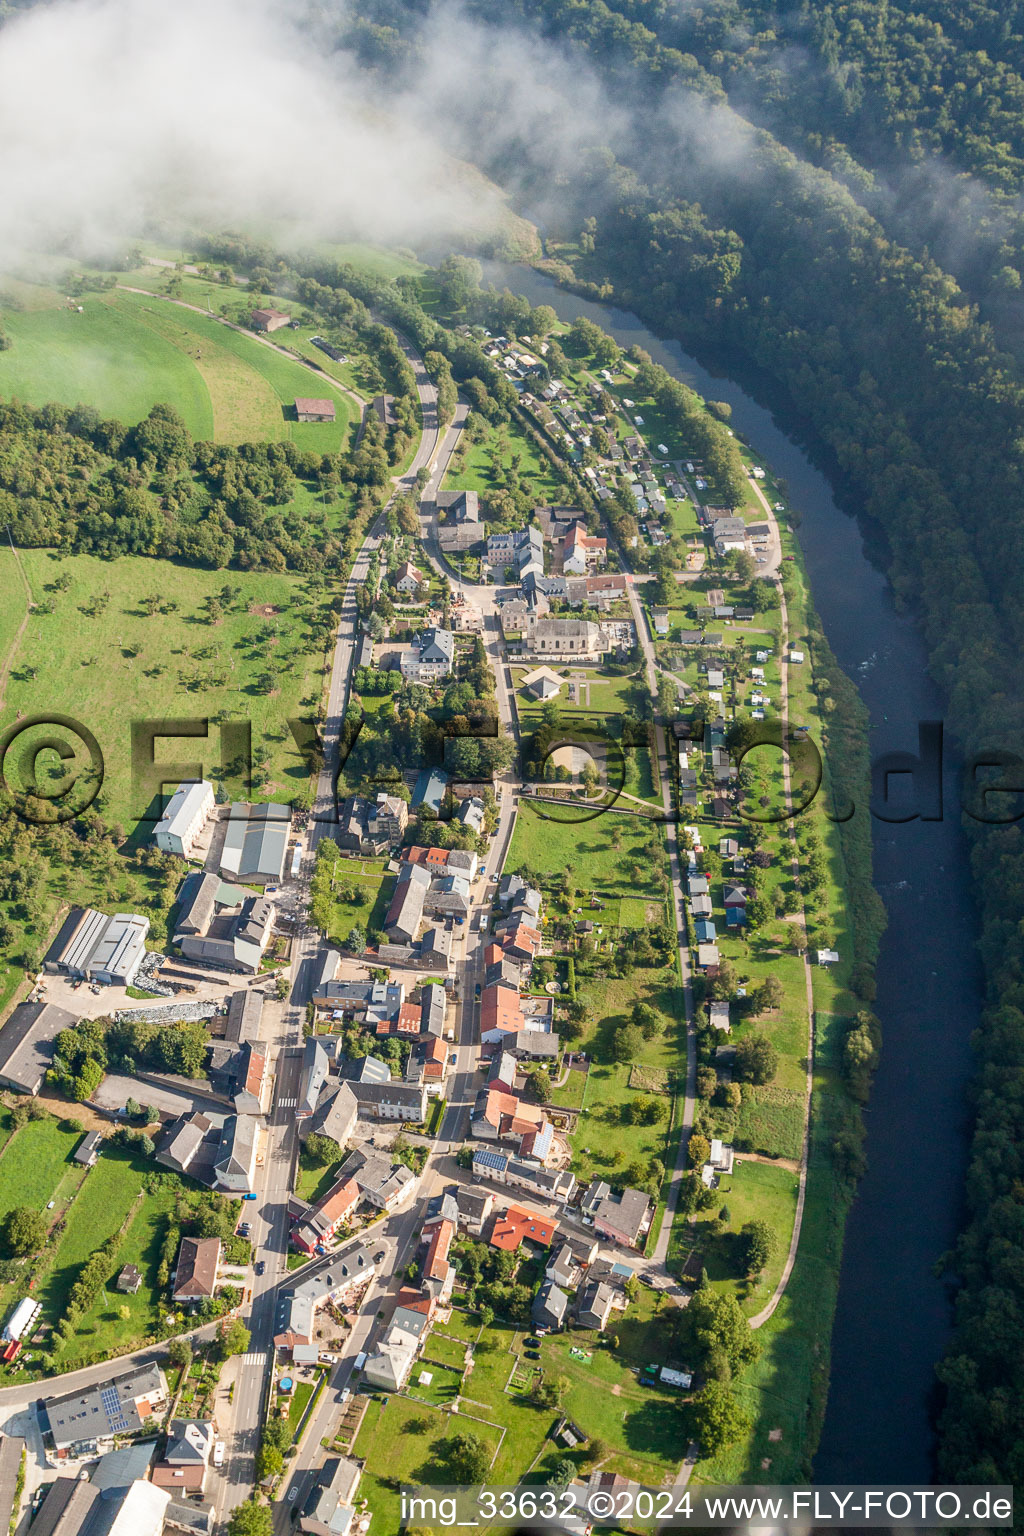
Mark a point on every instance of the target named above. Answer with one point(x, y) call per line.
point(255, 843)
point(100, 948)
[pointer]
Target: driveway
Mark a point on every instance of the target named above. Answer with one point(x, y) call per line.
point(116, 1089)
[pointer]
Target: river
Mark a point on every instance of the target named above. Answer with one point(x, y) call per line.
point(893, 1315)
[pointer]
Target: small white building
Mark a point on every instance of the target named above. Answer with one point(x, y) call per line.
point(188, 811)
point(721, 1161)
point(22, 1319)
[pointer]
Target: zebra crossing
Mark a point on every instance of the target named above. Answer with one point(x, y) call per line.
point(287, 1103)
point(255, 1357)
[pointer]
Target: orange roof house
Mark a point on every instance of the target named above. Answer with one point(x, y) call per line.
point(522, 940)
point(434, 1058)
point(520, 1225)
point(433, 858)
point(500, 1009)
point(410, 1017)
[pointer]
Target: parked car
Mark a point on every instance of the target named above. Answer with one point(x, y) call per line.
point(218, 1454)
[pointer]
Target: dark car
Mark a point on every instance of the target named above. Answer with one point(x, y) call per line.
point(478, 989)
point(260, 1267)
point(379, 1258)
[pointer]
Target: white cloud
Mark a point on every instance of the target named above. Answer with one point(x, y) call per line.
point(207, 112)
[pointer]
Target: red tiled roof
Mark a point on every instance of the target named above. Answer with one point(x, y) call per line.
point(256, 1072)
point(412, 1301)
point(500, 1009)
point(525, 1117)
point(523, 937)
point(437, 857)
point(338, 1201)
point(435, 1265)
point(519, 1223)
point(410, 1019)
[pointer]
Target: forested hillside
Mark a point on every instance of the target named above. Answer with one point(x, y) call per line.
point(723, 236)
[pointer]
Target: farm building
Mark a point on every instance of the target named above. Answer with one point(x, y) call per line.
point(187, 813)
point(268, 319)
point(26, 1044)
point(315, 410)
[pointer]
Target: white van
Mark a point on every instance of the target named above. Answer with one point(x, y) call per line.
point(359, 1361)
point(218, 1454)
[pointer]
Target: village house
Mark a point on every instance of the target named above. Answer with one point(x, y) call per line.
point(371, 826)
point(581, 551)
point(196, 1272)
point(623, 1218)
point(431, 657)
point(408, 579)
point(520, 1225)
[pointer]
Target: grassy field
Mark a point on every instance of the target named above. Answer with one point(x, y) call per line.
point(106, 356)
point(372, 890)
point(753, 1192)
point(33, 1164)
point(547, 846)
point(252, 387)
point(114, 666)
point(89, 1206)
point(498, 448)
point(772, 1120)
point(312, 1182)
point(300, 1396)
point(639, 1424)
point(398, 1439)
point(103, 1203)
point(102, 1329)
point(128, 351)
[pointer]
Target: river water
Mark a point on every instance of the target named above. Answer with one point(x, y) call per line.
point(893, 1315)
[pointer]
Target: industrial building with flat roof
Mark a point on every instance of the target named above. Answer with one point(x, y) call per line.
point(255, 843)
point(100, 948)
